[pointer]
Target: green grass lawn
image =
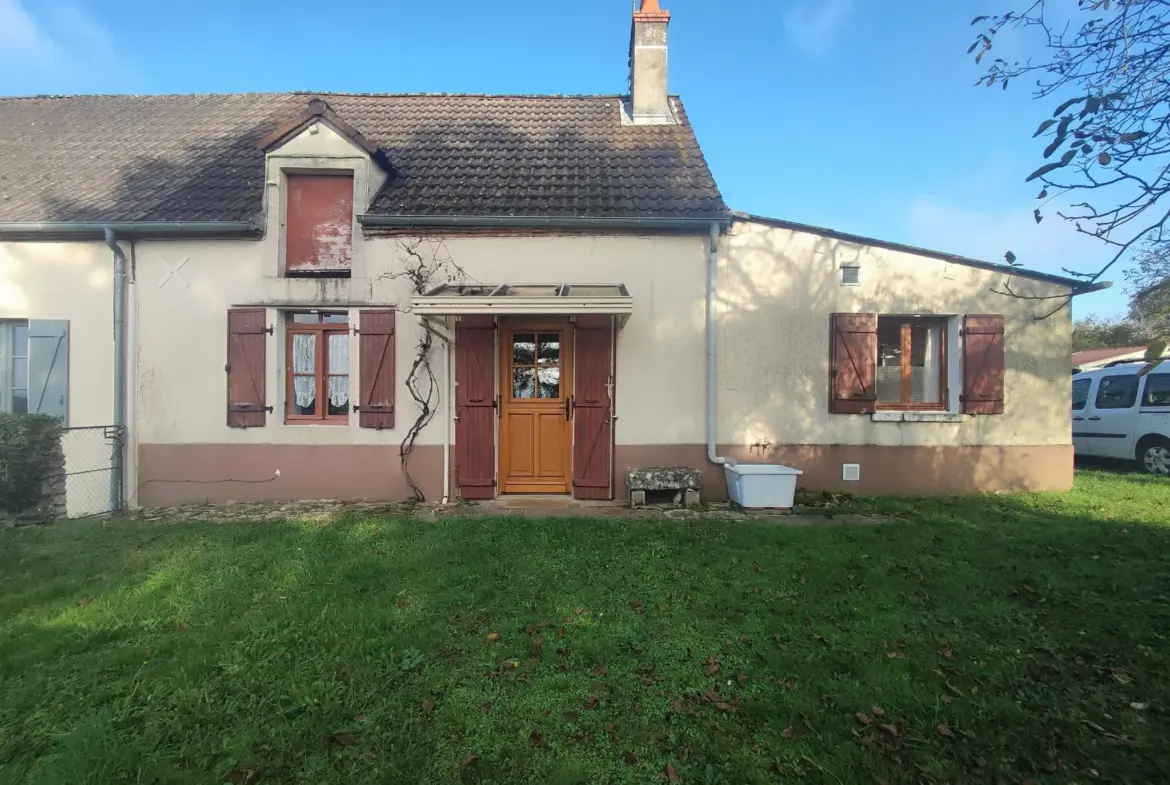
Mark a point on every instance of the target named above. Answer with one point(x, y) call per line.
point(1009, 638)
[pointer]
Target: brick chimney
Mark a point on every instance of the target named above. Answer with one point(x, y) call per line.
point(649, 101)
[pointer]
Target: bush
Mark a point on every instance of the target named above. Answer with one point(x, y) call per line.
point(30, 454)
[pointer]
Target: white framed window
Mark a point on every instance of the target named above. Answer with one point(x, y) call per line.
point(34, 367)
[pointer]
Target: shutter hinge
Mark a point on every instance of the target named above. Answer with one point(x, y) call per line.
point(356, 331)
point(270, 330)
point(962, 398)
point(496, 402)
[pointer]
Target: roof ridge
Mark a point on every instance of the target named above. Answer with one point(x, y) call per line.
point(294, 93)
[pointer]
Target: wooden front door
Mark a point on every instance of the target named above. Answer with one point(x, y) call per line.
point(536, 387)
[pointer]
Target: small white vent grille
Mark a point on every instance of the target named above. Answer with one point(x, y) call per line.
point(850, 276)
point(851, 472)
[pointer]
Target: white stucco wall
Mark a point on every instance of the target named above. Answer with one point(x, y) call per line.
point(72, 281)
point(777, 288)
point(183, 328)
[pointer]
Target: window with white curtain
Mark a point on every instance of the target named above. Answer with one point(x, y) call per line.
point(317, 367)
point(911, 363)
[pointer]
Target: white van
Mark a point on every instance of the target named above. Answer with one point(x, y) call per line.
point(1118, 414)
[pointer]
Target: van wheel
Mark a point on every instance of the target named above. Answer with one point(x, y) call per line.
point(1153, 453)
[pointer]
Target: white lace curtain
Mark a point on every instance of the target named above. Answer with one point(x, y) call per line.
point(304, 350)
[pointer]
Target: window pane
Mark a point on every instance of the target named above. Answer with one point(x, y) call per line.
point(304, 395)
point(20, 401)
point(523, 383)
point(889, 364)
point(550, 349)
point(20, 372)
point(335, 318)
point(550, 382)
point(524, 349)
point(338, 353)
point(926, 363)
point(1117, 392)
point(304, 352)
point(20, 339)
point(1080, 393)
point(305, 318)
point(1157, 390)
point(338, 395)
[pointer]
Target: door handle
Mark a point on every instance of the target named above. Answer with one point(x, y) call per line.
point(1094, 418)
point(569, 408)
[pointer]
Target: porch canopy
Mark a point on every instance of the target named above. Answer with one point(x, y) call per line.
point(527, 299)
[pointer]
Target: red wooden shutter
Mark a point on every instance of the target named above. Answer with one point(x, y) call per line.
point(593, 410)
point(318, 223)
point(247, 343)
point(983, 359)
point(475, 434)
point(853, 367)
point(376, 369)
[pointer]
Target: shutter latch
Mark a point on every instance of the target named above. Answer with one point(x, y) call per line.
point(270, 330)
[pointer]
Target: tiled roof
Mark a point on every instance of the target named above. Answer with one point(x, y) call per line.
point(196, 157)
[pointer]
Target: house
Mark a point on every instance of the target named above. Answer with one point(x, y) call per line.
point(1088, 359)
point(271, 294)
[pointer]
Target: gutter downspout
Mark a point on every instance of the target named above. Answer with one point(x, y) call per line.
point(116, 478)
point(712, 269)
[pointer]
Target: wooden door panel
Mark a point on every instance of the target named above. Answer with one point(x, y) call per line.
point(522, 455)
point(550, 442)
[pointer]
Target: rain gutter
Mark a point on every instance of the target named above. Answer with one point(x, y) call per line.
point(539, 222)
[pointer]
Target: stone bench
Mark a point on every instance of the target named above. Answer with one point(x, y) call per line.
point(683, 481)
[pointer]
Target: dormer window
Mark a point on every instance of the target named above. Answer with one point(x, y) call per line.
point(318, 224)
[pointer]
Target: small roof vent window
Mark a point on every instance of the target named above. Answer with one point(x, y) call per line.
point(850, 276)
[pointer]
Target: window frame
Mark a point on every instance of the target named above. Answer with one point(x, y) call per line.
point(907, 326)
point(1101, 385)
point(1145, 397)
point(7, 357)
point(1088, 394)
point(321, 330)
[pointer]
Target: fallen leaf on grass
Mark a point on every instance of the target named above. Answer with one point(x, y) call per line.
point(712, 665)
point(570, 716)
point(669, 775)
point(638, 606)
point(877, 711)
point(755, 566)
point(183, 626)
point(591, 704)
point(485, 707)
point(470, 759)
point(727, 707)
point(863, 718)
point(945, 651)
point(1139, 706)
point(536, 738)
point(370, 755)
point(83, 600)
point(788, 733)
point(896, 655)
point(359, 717)
point(629, 758)
point(428, 704)
point(344, 739)
point(509, 665)
point(819, 638)
point(947, 699)
point(600, 670)
point(944, 730)
point(240, 776)
point(493, 637)
point(890, 728)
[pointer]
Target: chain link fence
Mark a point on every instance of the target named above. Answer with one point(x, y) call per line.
point(92, 469)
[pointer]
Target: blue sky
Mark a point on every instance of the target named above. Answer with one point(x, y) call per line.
point(844, 113)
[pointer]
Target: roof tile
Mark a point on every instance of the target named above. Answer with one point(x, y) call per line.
point(195, 157)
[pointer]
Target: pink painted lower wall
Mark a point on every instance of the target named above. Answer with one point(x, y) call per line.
point(918, 471)
point(172, 474)
point(189, 473)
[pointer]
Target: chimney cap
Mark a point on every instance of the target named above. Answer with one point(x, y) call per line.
point(651, 12)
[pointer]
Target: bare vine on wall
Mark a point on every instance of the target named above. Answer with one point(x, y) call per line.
point(425, 263)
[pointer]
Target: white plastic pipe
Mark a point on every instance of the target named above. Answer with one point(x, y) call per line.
point(712, 270)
